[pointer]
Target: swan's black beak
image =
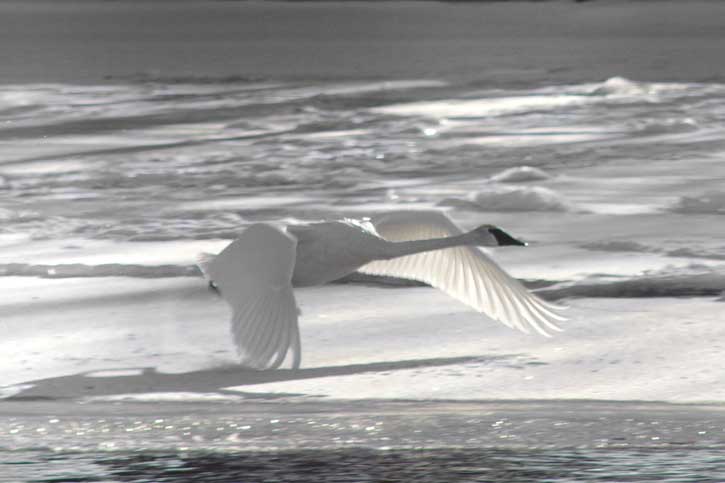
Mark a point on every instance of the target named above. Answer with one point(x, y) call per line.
point(504, 239)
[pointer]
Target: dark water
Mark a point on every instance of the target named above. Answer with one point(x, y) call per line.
point(46, 40)
point(369, 465)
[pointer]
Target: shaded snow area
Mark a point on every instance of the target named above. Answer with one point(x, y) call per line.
point(168, 339)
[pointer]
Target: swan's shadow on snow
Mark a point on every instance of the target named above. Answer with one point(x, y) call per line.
point(214, 380)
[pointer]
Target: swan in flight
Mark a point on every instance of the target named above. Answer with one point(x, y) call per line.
point(255, 274)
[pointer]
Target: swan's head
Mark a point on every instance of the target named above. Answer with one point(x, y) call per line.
point(490, 235)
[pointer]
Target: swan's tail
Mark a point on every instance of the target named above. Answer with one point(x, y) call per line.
point(203, 261)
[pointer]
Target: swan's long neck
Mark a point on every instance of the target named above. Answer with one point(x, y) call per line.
point(400, 249)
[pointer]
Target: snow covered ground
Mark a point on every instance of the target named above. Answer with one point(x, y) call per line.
point(121, 339)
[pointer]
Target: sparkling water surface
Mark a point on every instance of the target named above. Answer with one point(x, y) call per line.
point(365, 441)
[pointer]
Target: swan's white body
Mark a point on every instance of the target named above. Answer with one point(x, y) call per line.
point(255, 274)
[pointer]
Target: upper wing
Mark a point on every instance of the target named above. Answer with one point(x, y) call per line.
point(464, 273)
point(254, 275)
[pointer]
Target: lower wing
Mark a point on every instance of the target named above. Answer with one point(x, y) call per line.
point(254, 275)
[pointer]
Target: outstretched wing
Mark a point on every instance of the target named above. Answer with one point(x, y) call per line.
point(465, 273)
point(254, 275)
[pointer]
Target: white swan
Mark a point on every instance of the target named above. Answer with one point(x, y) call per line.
point(255, 274)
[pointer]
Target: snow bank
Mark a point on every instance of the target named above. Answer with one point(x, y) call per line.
point(512, 199)
point(619, 86)
point(482, 107)
point(520, 174)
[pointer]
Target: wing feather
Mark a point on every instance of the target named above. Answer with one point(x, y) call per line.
point(465, 273)
point(254, 275)
point(271, 337)
point(296, 346)
point(284, 343)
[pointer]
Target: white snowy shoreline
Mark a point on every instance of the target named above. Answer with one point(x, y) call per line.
point(167, 340)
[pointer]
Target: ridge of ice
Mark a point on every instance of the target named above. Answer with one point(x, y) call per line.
point(520, 174)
